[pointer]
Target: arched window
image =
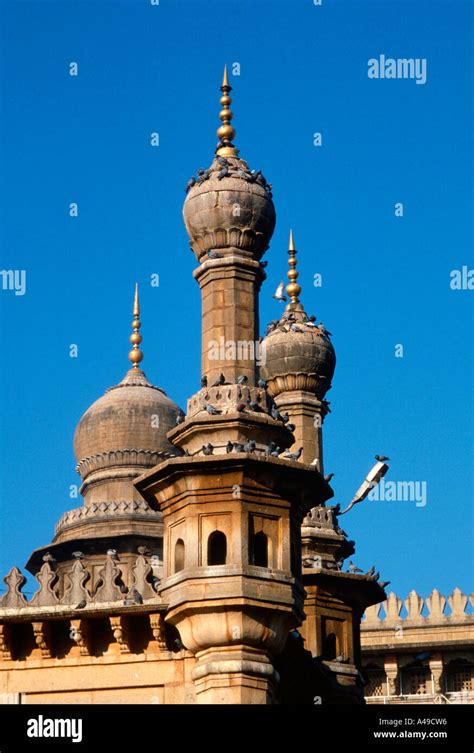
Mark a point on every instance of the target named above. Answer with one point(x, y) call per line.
point(260, 549)
point(216, 548)
point(179, 556)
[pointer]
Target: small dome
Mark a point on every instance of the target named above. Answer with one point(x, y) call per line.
point(132, 416)
point(229, 206)
point(298, 360)
point(298, 353)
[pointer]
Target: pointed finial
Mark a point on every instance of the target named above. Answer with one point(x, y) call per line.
point(136, 355)
point(226, 132)
point(293, 290)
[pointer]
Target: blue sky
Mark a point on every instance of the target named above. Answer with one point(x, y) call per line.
point(386, 279)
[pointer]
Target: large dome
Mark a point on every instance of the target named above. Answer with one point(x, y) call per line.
point(133, 416)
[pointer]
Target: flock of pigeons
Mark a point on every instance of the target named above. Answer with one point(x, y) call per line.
point(235, 168)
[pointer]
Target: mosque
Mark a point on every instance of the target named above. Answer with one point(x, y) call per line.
point(206, 563)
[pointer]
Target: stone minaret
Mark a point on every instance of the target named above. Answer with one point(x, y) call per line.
point(299, 366)
point(232, 513)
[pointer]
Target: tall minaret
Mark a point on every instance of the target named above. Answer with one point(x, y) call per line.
point(229, 217)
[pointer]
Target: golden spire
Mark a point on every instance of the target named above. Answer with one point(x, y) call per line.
point(136, 355)
point(293, 290)
point(226, 132)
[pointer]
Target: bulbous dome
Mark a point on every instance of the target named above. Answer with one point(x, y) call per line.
point(298, 353)
point(127, 425)
point(298, 356)
point(228, 207)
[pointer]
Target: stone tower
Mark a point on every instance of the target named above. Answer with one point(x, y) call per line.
point(232, 512)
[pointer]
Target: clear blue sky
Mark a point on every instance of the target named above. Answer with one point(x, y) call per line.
point(86, 139)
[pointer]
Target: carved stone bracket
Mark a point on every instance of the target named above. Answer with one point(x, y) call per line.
point(157, 622)
point(79, 633)
point(5, 642)
point(120, 631)
point(42, 633)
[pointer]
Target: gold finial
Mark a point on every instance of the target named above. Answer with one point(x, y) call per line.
point(136, 355)
point(226, 132)
point(293, 290)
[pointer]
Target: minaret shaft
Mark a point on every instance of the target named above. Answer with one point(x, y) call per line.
point(229, 291)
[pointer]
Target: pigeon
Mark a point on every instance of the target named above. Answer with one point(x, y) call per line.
point(212, 254)
point(278, 294)
point(220, 380)
point(143, 550)
point(78, 555)
point(293, 455)
point(371, 571)
point(381, 458)
point(186, 454)
point(240, 407)
point(81, 604)
point(203, 175)
point(323, 329)
point(207, 449)
point(48, 557)
point(262, 384)
point(275, 413)
point(250, 446)
point(263, 264)
point(238, 447)
point(136, 596)
point(179, 419)
point(211, 410)
point(253, 405)
point(200, 172)
point(353, 568)
point(155, 583)
point(329, 477)
point(384, 584)
point(223, 173)
point(336, 509)
point(310, 324)
point(290, 427)
point(222, 161)
point(230, 446)
point(111, 553)
point(123, 588)
point(204, 381)
point(285, 417)
point(376, 576)
point(242, 379)
point(295, 328)
point(312, 318)
point(270, 448)
point(191, 182)
point(423, 656)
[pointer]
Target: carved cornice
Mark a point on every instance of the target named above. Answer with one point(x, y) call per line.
point(103, 510)
point(126, 457)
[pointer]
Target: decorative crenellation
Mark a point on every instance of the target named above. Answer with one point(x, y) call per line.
point(103, 510)
point(414, 605)
point(125, 457)
point(109, 589)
